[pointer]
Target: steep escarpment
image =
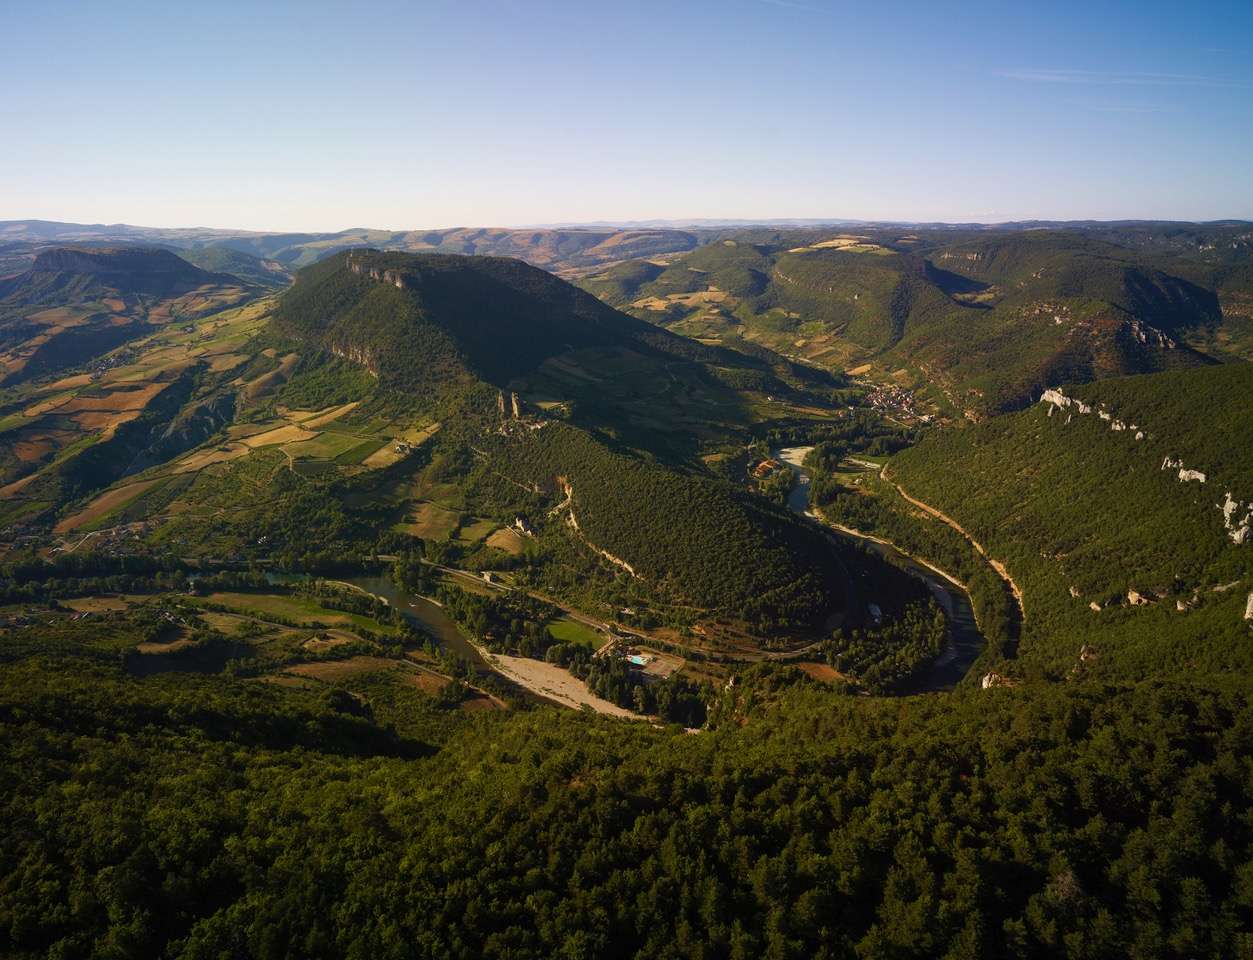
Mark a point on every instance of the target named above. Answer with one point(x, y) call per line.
point(431, 319)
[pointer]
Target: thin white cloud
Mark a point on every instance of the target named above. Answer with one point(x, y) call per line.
point(1112, 78)
point(1130, 108)
point(795, 6)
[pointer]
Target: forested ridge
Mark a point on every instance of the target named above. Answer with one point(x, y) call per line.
point(700, 540)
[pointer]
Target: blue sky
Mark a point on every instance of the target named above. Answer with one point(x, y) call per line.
point(308, 116)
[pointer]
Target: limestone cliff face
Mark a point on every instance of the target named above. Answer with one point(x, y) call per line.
point(357, 354)
point(392, 277)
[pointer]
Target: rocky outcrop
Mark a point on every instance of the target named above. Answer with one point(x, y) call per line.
point(991, 680)
point(1237, 515)
point(362, 269)
point(1238, 529)
point(1248, 607)
point(357, 354)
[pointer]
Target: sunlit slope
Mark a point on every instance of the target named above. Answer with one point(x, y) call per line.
point(979, 322)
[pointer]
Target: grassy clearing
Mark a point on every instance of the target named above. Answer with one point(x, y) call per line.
point(300, 610)
point(362, 451)
point(510, 541)
point(344, 669)
point(431, 522)
point(566, 630)
point(476, 530)
point(326, 446)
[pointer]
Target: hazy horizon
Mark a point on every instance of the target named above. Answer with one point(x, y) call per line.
point(300, 117)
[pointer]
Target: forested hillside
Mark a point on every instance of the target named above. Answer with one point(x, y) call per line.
point(1122, 509)
point(204, 816)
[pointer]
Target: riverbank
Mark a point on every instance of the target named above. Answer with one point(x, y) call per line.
point(965, 640)
point(545, 680)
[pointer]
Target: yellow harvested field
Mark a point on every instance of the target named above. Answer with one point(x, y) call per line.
point(103, 420)
point(118, 400)
point(821, 672)
point(846, 243)
point(44, 406)
point(69, 383)
point(13, 489)
point(384, 456)
point(59, 316)
point(291, 433)
point(326, 416)
point(109, 500)
point(694, 299)
point(226, 361)
point(203, 458)
point(859, 371)
point(508, 540)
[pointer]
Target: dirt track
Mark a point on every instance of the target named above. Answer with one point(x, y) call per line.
point(944, 518)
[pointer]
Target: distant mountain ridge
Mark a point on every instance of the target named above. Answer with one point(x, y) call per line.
point(565, 248)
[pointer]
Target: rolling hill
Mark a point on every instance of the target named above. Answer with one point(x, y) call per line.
point(75, 303)
point(979, 322)
point(266, 274)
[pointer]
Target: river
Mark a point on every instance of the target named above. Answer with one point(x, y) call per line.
point(965, 642)
point(426, 613)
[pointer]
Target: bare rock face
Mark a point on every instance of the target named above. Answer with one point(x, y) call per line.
point(1238, 530)
point(991, 680)
point(1075, 591)
point(1094, 607)
point(1137, 599)
point(1248, 607)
